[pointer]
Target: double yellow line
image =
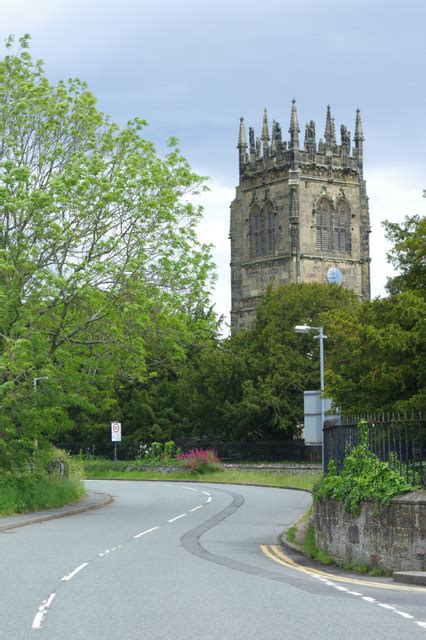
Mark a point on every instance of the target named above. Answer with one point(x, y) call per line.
point(275, 553)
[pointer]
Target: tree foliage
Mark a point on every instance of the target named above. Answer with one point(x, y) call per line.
point(101, 273)
point(251, 385)
point(408, 255)
point(377, 355)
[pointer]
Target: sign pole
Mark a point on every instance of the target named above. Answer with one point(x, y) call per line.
point(115, 436)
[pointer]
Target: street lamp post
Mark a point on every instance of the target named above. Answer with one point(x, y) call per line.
point(304, 328)
point(37, 380)
point(35, 383)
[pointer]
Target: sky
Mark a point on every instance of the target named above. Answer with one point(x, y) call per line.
point(192, 68)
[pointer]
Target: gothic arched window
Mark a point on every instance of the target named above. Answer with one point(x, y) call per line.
point(323, 214)
point(341, 215)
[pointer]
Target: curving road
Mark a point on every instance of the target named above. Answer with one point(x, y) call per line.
point(188, 561)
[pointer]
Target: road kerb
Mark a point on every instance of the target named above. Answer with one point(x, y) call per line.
point(67, 511)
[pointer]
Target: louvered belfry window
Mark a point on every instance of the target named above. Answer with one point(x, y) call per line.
point(262, 231)
point(270, 221)
point(323, 222)
point(340, 227)
point(256, 232)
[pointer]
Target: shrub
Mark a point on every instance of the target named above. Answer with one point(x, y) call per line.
point(364, 477)
point(52, 480)
point(156, 450)
point(169, 448)
point(200, 461)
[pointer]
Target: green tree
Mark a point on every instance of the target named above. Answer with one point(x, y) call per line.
point(251, 386)
point(408, 255)
point(377, 355)
point(98, 254)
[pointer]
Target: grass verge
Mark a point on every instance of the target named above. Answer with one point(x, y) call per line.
point(108, 470)
point(26, 493)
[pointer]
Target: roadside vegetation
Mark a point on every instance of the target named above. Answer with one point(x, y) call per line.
point(169, 463)
point(53, 480)
point(364, 477)
point(304, 481)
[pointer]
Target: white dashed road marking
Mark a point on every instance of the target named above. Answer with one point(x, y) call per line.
point(142, 533)
point(39, 617)
point(182, 515)
point(72, 574)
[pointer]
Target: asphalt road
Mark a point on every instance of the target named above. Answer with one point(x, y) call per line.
point(187, 561)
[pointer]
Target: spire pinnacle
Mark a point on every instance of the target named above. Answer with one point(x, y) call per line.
point(330, 131)
point(359, 134)
point(359, 139)
point(294, 126)
point(242, 135)
point(265, 127)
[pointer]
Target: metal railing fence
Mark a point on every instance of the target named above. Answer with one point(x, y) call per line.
point(394, 438)
point(289, 451)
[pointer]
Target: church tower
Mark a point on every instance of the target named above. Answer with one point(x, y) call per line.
point(300, 214)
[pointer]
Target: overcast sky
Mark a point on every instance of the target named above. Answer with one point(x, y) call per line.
point(191, 68)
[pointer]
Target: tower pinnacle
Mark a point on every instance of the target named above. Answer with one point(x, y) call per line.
point(330, 132)
point(294, 126)
point(265, 133)
point(242, 135)
point(359, 134)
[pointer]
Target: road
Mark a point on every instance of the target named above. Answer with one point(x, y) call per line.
point(188, 561)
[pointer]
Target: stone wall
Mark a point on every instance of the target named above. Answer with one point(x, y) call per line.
point(390, 536)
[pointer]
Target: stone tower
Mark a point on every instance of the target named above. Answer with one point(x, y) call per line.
point(300, 214)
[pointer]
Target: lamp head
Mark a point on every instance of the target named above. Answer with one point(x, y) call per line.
point(302, 328)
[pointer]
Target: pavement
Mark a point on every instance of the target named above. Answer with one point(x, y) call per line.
point(93, 500)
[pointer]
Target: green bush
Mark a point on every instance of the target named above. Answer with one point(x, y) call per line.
point(156, 450)
point(364, 477)
point(169, 449)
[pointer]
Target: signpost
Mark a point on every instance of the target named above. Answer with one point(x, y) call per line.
point(115, 436)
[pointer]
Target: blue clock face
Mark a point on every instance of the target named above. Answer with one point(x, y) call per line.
point(334, 275)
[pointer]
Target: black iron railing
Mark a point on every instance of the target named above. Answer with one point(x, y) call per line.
point(397, 439)
point(290, 451)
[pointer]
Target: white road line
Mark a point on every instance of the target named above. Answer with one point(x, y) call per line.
point(72, 574)
point(190, 488)
point(340, 588)
point(421, 624)
point(206, 493)
point(385, 606)
point(208, 500)
point(39, 616)
point(354, 593)
point(368, 599)
point(404, 615)
point(182, 515)
point(142, 533)
point(200, 506)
